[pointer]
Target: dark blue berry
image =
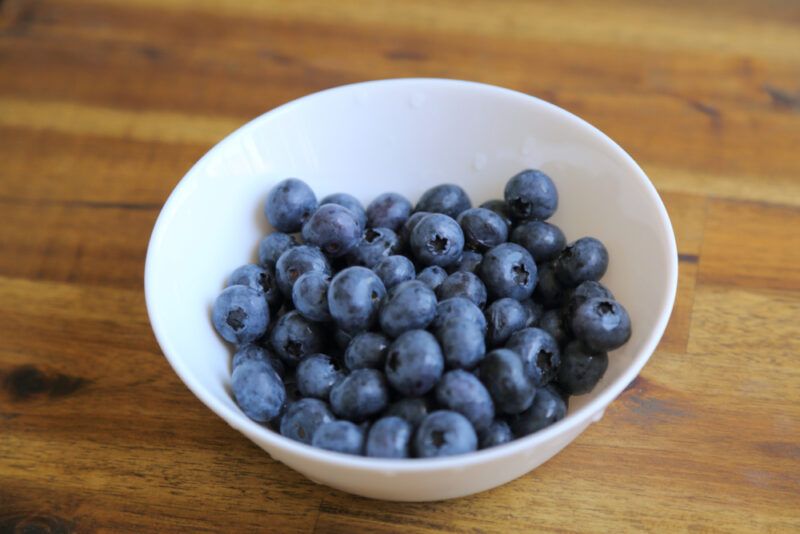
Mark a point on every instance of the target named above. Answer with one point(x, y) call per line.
point(534, 311)
point(437, 240)
point(412, 409)
point(411, 222)
point(602, 324)
point(458, 308)
point(260, 278)
point(366, 351)
point(354, 298)
point(389, 437)
point(432, 276)
point(460, 391)
point(375, 244)
point(469, 262)
point(444, 433)
point(531, 194)
point(539, 353)
point(303, 417)
point(350, 202)
point(549, 291)
point(585, 291)
point(240, 314)
point(289, 205)
point(409, 306)
point(393, 270)
point(297, 261)
point(508, 270)
point(339, 436)
point(342, 338)
point(249, 352)
point(295, 337)
point(548, 407)
point(389, 210)
point(463, 284)
point(552, 322)
point(504, 376)
point(334, 229)
point(449, 199)
point(543, 240)
point(310, 296)
point(273, 245)
point(414, 363)
point(462, 342)
point(582, 260)
point(496, 434)
point(258, 390)
point(483, 229)
point(581, 368)
point(499, 207)
point(362, 394)
point(317, 374)
point(505, 316)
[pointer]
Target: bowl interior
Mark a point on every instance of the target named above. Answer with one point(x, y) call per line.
point(404, 136)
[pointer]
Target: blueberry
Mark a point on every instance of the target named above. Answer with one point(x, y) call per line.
point(543, 240)
point(240, 314)
point(339, 436)
point(389, 210)
point(508, 270)
point(437, 240)
point(531, 194)
point(317, 374)
point(295, 337)
point(549, 291)
point(584, 259)
point(251, 352)
point(534, 310)
point(539, 353)
point(504, 376)
point(499, 207)
point(409, 306)
point(548, 407)
point(581, 368)
point(463, 284)
point(552, 322)
point(342, 338)
point(260, 278)
point(585, 291)
point(458, 308)
point(496, 434)
point(411, 222)
point(460, 391)
point(414, 363)
point(350, 202)
point(462, 342)
point(505, 316)
point(334, 229)
point(602, 324)
point(289, 205)
point(394, 269)
point(432, 276)
point(354, 298)
point(444, 433)
point(389, 437)
point(310, 296)
point(273, 245)
point(297, 261)
point(366, 351)
point(362, 394)
point(292, 391)
point(258, 390)
point(483, 228)
point(375, 244)
point(449, 199)
point(302, 419)
point(468, 262)
point(412, 409)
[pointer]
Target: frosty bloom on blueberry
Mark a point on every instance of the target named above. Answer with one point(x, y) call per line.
point(397, 333)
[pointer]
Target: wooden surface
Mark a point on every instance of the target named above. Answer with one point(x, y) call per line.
point(105, 104)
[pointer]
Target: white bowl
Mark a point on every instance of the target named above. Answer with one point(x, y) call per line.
point(405, 135)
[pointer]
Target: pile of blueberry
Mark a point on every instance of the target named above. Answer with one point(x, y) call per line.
point(401, 331)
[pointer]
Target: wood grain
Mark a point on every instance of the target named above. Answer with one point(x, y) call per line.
point(105, 104)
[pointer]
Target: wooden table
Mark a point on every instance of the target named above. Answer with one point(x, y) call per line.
point(105, 104)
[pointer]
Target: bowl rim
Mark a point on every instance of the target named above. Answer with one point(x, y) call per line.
point(240, 422)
